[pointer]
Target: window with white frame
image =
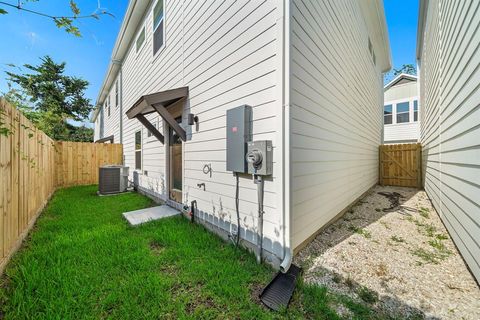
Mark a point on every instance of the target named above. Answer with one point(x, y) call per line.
point(155, 124)
point(140, 39)
point(116, 94)
point(138, 150)
point(415, 110)
point(403, 112)
point(387, 114)
point(108, 105)
point(158, 26)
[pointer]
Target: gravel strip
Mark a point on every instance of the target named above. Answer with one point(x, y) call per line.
point(392, 252)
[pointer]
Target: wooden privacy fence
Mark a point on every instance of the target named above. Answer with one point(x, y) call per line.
point(401, 165)
point(32, 166)
point(76, 163)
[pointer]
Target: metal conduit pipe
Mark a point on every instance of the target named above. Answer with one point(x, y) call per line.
point(259, 182)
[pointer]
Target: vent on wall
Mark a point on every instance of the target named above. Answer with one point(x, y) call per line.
point(112, 179)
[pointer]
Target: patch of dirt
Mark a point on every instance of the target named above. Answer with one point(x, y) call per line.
point(394, 198)
point(203, 302)
point(156, 247)
point(392, 252)
point(255, 291)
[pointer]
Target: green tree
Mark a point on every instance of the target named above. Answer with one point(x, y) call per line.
point(62, 22)
point(80, 134)
point(50, 99)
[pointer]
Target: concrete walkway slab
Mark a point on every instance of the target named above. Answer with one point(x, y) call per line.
point(149, 214)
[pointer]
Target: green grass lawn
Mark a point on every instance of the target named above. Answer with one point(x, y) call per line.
point(82, 261)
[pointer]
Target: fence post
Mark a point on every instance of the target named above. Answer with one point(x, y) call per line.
point(419, 165)
point(380, 173)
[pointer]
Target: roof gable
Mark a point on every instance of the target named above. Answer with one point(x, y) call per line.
point(402, 78)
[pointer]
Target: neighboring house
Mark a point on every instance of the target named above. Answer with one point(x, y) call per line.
point(448, 60)
point(400, 119)
point(311, 70)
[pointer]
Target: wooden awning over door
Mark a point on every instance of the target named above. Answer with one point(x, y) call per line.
point(160, 102)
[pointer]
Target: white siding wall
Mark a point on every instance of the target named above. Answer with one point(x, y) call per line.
point(226, 52)
point(112, 122)
point(450, 121)
point(96, 129)
point(402, 132)
point(401, 91)
point(337, 101)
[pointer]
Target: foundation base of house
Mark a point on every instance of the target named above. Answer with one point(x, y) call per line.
point(222, 228)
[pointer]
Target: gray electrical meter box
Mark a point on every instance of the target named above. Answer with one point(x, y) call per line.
point(260, 157)
point(239, 132)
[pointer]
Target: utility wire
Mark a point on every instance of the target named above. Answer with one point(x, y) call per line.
point(93, 15)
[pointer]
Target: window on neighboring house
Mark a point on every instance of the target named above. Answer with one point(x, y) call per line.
point(138, 150)
point(403, 112)
point(158, 26)
point(140, 39)
point(415, 110)
point(116, 94)
point(387, 114)
point(108, 106)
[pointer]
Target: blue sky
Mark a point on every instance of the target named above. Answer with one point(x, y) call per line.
point(402, 17)
point(30, 37)
point(26, 37)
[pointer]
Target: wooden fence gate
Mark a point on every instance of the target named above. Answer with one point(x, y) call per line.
point(401, 165)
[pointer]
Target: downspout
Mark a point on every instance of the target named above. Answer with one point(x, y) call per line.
point(287, 243)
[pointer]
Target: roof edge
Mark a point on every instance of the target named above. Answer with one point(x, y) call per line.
point(374, 14)
point(422, 11)
point(133, 16)
point(398, 78)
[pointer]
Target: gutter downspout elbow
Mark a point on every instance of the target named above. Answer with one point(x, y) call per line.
point(287, 261)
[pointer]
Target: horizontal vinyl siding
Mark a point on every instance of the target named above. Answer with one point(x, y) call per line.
point(450, 130)
point(337, 99)
point(96, 129)
point(112, 122)
point(226, 53)
point(402, 132)
point(401, 91)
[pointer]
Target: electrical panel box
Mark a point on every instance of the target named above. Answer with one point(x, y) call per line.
point(260, 157)
point(239, 132)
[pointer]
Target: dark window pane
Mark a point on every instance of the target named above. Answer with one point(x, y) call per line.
point(415, 105)
point(158, 38)
point(388, 119)
point(415, 116)
point(403, 117)
point(157, 13)
point(403, 107)
point(138, 140)
point(116, 93)
point(387, 109)
point(138, 160)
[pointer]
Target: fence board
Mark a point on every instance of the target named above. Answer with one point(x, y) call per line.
point(32, 166)
point(400, 165)
point(77, 162)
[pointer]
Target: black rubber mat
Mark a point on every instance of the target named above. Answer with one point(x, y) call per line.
point(277, 294)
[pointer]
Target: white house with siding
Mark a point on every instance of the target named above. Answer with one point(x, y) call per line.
point(448, 62)
point(310, 70)
point(401, 110)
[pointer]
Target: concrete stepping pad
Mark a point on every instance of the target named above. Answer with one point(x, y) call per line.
point(137, 217)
